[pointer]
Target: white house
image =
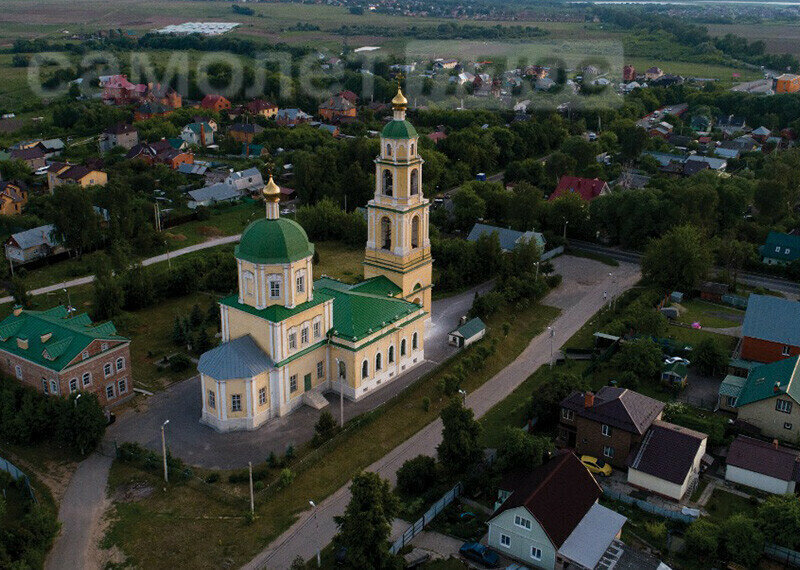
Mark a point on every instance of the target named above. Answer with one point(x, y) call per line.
point(761, 465)
point(201, 134)
point(471, 331)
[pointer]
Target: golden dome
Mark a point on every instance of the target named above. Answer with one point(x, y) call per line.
point(399, 99)
point(271, 191)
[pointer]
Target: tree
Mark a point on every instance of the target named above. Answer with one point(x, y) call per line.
point(733, 254)
point(19, 292)
point(678, 260)
point(640, 357)
point(366, 524)
point(779, 519)
point(86, 422)
point(702, 538)
point(75, 222)
point(416, 475)
point(459, 449)
point(519, 449)
point(544, 405)
point(710, 357)
point(137, 287)
point(325, 428)
point(195, 316)
point(468, 207)
point(741, 540)
point(178, 332)
point(107, 294)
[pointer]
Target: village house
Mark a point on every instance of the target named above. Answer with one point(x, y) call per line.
point(244, 132)
point(608, 424)
point(780, 248)
point(215, 103)
point(199, 133)
point(160, 152)
point(214, 194)
point(81, 175)
point(122, 135)
point(586, 188)
point(549, 517)
point(165, 95)
point(263, 108)
point(628, 73)
point(34, 156)
point(30, 245)
point(151, 109)
point(787, 83)
point(762, 465)
point(471, 331)
point(508, 238)
point(653, 73)
point(291, 117)
point(247, 181)
point(13, 197)
point(60, 354)
point(337, 108)
point(117, 90)
point(771, 329)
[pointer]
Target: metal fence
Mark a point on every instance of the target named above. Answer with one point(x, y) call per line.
point(648, 507)
point(552, 253)
point(17, 475)
point(429, 515)
point(782, 555)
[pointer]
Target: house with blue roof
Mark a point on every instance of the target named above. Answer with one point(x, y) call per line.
point(508, 238)
point(780, 248)
point(771, 329)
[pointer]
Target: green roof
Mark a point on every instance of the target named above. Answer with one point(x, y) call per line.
point(731, 386)
point(781, 246)
point(274, 241)
point(471, 328)
point(276, 313)
point(380, 285)
point(761, 382)
point(358, 314)
point(69, 336)
point(399, 130)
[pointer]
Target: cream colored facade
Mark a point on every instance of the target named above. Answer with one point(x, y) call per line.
point(283, 346)
point(765, 415)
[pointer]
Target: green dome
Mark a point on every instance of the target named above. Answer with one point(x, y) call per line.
point(399, 130)
point(278, 241)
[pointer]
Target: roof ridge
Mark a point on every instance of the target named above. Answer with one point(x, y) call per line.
point(561, 461)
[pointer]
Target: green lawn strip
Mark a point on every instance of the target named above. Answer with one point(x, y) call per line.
point(722, 505)
point(710, 314)
point(698, 491)
point(157, 543)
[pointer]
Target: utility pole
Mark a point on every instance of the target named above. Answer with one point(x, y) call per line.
point(463, 397)
point(552, 334)
point(566, 223)
point(164, 450)
point(341, 392)
point(252, 502)
point(316, 523)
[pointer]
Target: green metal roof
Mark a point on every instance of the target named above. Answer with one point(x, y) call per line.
point(781, 246)
point(761, 382)
point(380, 285)
point(276, 313)
point(399, 130)
point(68, 336)
point(732, 386)
point(471, 328)
point(273, 242)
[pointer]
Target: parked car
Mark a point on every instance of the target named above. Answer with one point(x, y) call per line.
point(479, 553)
point(676, 360)
point(595, 465)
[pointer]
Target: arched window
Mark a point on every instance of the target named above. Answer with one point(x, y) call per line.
point(388, 150)
point(414, 341)
point(414, 182)
point(411, 150)
point(378, 362)
point(364, 369)
point(249, 281)
point(415, 232)
point(402, 348)
point(342, 371)
point(386, 233)
point(387, 183)
point(391, 355)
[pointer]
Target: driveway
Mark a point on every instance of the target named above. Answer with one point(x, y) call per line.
point(700, 390)
point(200, 445)
point(580, 296)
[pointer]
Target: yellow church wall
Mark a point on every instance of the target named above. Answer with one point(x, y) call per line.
point(302, 366)
point(254, 280)
point(241, 324)
point(295, 323)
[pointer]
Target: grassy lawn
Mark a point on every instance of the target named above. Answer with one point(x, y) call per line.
point(710, 314)
point(161, 530)
point(698, 491)
point(722, 505)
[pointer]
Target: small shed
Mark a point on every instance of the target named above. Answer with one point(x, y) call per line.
point(729, 391)
point(676, 297)
point(710, 291)
point(675, 373)
point(762, 465)
point(471, 331)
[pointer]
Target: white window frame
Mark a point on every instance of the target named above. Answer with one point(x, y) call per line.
point(86, 379)
point(567, 414)
point(120, 364)
point(111, 388)
point(317, 328)
point(522, 522)
point(85, 355)
point(54, 387)
point(536, 553)
point(236, 402)
point(73, 385)
point(293, 383)
point(605, 429)
point(18, 371)
point(292, 340)
point(786, 350)
point(108, 369)
point(787, 425)
point(606, 449)
point(304, 335)
point(320, 369)
point(45, 386)
point(104, 346)
point(505, 540)
point(300, 282)
point(122, 386)
point(783, 406)
point(212, 400)
point(262, 396)
point(274, 288)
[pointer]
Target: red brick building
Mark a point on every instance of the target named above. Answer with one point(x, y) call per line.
point(59, 354)
point(771, 329)
point(586, 188)
point(215, 103)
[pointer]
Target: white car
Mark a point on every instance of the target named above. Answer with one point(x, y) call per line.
point(41, 171)
point(676, 360)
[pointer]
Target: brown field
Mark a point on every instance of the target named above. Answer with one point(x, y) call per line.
point(780, 38)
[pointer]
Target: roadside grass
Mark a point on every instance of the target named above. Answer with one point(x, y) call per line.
point(722, 505)
point(576, 252)
point(161, 531)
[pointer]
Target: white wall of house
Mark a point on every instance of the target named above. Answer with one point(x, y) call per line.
point(521, 539)
point(758, 480)
point(657, 485)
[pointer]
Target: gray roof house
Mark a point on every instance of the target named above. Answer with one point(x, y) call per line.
point(763, 465)
point(246, 181)
point(508, 238)
point(220, 192)
point(32, 244)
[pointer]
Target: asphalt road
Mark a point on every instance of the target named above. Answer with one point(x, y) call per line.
point(579, 297)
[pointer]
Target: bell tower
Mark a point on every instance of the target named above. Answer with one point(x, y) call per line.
point(398, 244)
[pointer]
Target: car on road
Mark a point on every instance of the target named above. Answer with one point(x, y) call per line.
point(676, 360)
point(479, 553)
point(595, 465)
point(41, 171)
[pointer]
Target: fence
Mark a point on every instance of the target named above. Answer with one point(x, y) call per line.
point(783, 555)
point(649, 507)
point(429, 515)
point(17, 474)
point(552, 253)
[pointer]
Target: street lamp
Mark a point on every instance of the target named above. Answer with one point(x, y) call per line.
point(75, 401)
point(463, 396)
point(164, 450)
point(341, 392)
point(316, 523)
point(552, 333)
point(566, 223)
point(69, 303)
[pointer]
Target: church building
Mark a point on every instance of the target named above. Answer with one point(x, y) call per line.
point(287, 339)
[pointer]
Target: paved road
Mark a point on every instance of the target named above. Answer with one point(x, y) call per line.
point(579, 297)
point(80, 512)
point(149, 261)
point(200, 445)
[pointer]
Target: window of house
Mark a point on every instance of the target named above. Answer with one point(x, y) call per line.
point(120, 364)
point(391, 354)
point(236, 402)
point(212, 399)
point(522, 522)
point(787, 425)
point(403, 347)
point(732, 401)
point(320, 369)
point(364, 369)
point(18, 371)
point(567, 414)
point(608, 451)
point(122, 386)
point(505, 540)
point(104, 346)
point(386, 233)
point(108, 370)
point(786, 251)
point(784, 406)
point(777, 249)
point(304, 335)
point(378, 362)
point(606, 430)
point(262, 396)
point(317, 329)
point(301, 282)
point(54, 386)
point(785, 351)
point(414, 341)
point(110, 391)
point(274, 289)
point(536, 553)
point(292, 341)
point(73, 385)
point(85, 354)
point(45, 389)
point(293, 383)
point(86, 378)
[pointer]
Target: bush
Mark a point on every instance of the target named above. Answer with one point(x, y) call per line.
point(285, 478)
point(324, 429)
point(416, 475)
point(553, 280)
point(179, 363)
point(702, 538)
